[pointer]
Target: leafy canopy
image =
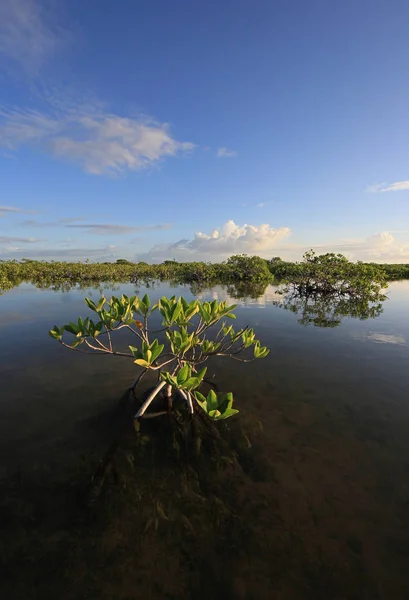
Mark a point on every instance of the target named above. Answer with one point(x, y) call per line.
point(192, 332)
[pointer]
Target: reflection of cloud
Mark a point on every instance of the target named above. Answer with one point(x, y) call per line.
point(220, 293)
point(230, 239)
point(100, 142)
point(15, 318)
point(381, 338)
point(386, 338)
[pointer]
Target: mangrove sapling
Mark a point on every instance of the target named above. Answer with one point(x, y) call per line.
point(191, 333)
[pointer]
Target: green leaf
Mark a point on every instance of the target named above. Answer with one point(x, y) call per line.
point(212, 401)
point(71, 328)
point(137, 353)
point(215, 414)
point(191, 383)
point(146, 300)
point(56, 333)
point(230, 315)
point(229, 412)
point(141, 362)
point(175, 312)
point(229, 399)
point(77, 342)
point(98, 328)
point(157, 351)
point(91, 304)
point(200, 375)
point(183, 374)
point(101, 303)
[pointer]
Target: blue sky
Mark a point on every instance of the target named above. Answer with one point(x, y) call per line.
point(196, 130)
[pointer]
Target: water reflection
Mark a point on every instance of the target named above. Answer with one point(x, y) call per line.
point(384, 338)
point(318, 479)
point(320, 311)
point(330, 311)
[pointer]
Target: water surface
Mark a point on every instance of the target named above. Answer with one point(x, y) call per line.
point(334, 407)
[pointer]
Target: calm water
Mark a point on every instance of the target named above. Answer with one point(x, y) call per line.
point(334, 406)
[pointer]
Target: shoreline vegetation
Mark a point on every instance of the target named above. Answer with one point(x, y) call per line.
point(238, 269)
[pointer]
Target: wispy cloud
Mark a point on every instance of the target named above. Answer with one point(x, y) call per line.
point(226, 153)
point(230, 239)
point(29, 33)
point(107, 228)
point(398, 186)
point(14, 209)
point(70, 220)
point(99, 254)
point(57, 223)
point(100, 142)
point(5, 239)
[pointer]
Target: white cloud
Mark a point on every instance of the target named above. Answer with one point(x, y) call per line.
point(230, 239)
point(6, 239)
point(65, 254)
point(108, 229)
point(29, 35)
point(226, 153)
point(261, 205)
point(380, 247)
point(381, 240)
point(14, 209)
point(57, 223)
point(398, 186)
point(100, 142)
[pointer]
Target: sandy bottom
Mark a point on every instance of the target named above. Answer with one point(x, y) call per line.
point(310, 500)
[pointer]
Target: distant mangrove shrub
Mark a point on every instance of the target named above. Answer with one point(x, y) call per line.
point(333, 274)
point(324, 289)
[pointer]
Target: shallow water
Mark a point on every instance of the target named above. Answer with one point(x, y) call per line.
point(335, 412)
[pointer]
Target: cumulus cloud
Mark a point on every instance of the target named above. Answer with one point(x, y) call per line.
point(100, 142)
point(398, 186)
point(383, 239)
point(380, 247)
point(220, 243)
point(29, 34)
point(226, 153)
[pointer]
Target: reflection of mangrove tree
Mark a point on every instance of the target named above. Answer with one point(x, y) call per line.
point(243, 289)
point(328, 288)
point(329, 311)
